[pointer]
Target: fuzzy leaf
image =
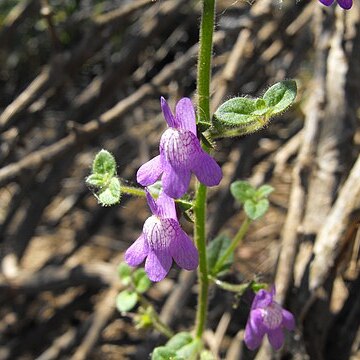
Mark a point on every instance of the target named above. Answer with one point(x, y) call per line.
point(179, 340)
point(111, 193)
point(256, 209)
point(264, 191)
point(241, 113)
point(280, 96)
point(190, 351)
point(164, 353)
point(242, 191)
point(124, 272)
point(104, 164)
point(141, 281)
point(126, 300)
point(96, 180)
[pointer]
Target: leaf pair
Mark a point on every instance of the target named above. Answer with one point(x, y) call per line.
point(255, 201)
point(243, 115)
point(104, 179)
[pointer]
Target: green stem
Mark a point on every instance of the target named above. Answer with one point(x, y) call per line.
point(130, 190)
point(134, 191)
point(237, 288)
point(204, 60)
point(203, 112)
point(155, 318)
point(234, 243)
point(200, 240)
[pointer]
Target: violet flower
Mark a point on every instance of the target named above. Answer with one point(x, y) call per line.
point(345, 4)
point(267, 317)
point(180, 154)
point(162, 241)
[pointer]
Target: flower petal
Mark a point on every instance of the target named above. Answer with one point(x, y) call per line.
point(175, 181)
point(262, 299)
point(185, 115)
point(184, 251)
point(137, 252)
point(166, 207)
point(326, 2)
point(276, 338)
point(152, 203)
point(150, 172)
point(207, 170)
point(168, 115)
point(288, 319)
point(158, 264)
point(345, 4)
point(254, 330)
point(179, 148)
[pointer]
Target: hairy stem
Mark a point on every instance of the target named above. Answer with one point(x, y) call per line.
point(203, 112)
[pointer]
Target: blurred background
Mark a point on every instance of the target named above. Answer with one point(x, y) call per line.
point(77, 76)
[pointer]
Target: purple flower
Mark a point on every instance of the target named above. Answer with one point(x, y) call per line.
point(267, 317)
point(162, 241)
point(345, 4)
point(180, 154)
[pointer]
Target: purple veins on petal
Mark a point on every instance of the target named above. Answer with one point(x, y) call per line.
point(180, 154)
point(267, 317)
point(162, 241)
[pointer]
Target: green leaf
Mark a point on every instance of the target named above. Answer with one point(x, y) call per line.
point(264, 191)
point(256, 209)
point(124, 272)
point(243, 115)
point(190, 351)
point(239, 116)
point(126, 300)
point(111, 193)
point(215, 251)
point(96, 180)
point(242, 191)
point(280, 96)
point(141, 282)
point(179, 340)
point(104, 164)
point(164, 353)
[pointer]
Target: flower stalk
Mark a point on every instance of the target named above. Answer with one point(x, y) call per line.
point(203, 112)
point(234, 243)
